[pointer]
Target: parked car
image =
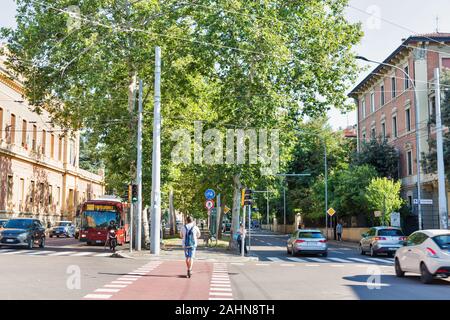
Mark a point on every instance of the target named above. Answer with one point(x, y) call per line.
point(307, 241)
point(23, 232)
point(381, 240)
point(3, 222)
point(426, 252)
point(62, 228)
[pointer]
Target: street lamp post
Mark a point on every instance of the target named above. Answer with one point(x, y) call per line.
point(416, 108)
point(284, 190)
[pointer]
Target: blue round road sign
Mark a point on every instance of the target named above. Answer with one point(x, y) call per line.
point(210, 194)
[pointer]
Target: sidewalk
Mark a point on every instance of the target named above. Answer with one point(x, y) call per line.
point(344, 243)
point(174, 251)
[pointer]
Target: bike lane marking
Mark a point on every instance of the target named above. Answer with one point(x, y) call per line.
point(120, 283)
point(169, 282)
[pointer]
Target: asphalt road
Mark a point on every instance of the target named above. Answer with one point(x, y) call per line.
point(344, 274)
point(67, 269)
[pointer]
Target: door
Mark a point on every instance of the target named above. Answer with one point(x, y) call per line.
point(409, 260)
point(366, 241)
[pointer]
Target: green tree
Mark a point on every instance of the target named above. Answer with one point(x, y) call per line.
point(381, 155)
point(383, 195)
point(349, 190)
point(238, 64)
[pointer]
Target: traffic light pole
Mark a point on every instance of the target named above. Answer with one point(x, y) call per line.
point(139, 173)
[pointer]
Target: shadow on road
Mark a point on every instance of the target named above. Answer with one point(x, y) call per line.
point(373, 287)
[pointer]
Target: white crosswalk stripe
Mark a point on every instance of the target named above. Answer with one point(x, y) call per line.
point(381, 260)
point(37, 252)
point(361, 260)
point(316, 259)
point(296, 259)
point(328, 260)
point(338, 260)
point(274, 259)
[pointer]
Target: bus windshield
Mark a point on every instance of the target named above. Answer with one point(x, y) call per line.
point(99, 219)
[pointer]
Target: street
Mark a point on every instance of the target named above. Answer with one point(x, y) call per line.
point(52, 273)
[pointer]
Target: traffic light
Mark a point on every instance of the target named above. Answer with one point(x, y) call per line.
point(242, 196)
point(248, 200)
point(134, 193)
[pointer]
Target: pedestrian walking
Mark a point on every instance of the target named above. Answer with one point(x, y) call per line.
point(339, 231)
point(242, 237)
point(189, 235)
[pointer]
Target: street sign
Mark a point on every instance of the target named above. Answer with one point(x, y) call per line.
point(226, 210)
point(424, 201)
point(210, 194)
point(331, 212)
point(395, 219)
point(209, 204)
point(377, 213)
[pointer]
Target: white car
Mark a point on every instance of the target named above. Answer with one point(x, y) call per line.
point(426, 252)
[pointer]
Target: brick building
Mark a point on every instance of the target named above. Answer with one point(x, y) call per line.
point(39, 172)
point(385, 102)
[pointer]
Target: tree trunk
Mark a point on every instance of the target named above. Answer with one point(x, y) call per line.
point(222, 207)
point(173, 218)
point(146, 235)
point(235, 211)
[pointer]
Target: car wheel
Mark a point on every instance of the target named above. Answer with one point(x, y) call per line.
point(51, 236)
point(372, 252)
point(390, 255)
point(398, 270)
point(57, 236)
point(287, 249)
point(30, 244)
point(293, 252)
point(42, 244)
point(425, 275)
point(361, 251)
point(325, 254)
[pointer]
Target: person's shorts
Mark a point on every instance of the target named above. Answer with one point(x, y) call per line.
point(189, 252)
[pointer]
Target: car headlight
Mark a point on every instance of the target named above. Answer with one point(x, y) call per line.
point(22, 236)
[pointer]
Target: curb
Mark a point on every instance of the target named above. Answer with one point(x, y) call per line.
point(148, 256)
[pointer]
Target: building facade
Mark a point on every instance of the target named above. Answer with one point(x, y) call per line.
point(385, 102)
point(39, 172)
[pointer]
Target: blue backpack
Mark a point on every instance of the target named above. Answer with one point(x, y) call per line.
point(189, 241)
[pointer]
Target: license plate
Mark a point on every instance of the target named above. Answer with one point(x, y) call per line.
point(98, 241)
point(312, 244)
point(392, 249)
point(9, 240)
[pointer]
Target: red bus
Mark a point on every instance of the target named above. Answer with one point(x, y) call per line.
point(96, 216)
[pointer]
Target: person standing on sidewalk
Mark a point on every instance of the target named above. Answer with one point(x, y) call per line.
point(339, 231)
point(189, 235)
point(242, 238)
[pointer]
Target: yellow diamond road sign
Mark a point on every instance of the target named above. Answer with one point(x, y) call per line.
point(331, 211)
point(226, 209)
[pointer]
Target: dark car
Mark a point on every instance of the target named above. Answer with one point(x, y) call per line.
point(63, 228)
point(23, 232)
point(2, 223)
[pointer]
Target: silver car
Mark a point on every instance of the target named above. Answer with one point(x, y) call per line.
point(381, 240)
point(307, 241)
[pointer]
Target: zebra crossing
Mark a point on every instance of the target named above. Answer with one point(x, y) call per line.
point(40, 253)
point(368, 260)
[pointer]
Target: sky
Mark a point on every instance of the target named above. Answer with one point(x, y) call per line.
point(384, 22)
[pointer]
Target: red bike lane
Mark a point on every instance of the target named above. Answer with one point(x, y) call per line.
point(168, 282)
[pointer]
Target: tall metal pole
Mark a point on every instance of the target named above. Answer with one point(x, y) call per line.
point(249, 224)
point(131, 204)
point(443, 214)
point(326, 183)
point(242, 235)
point(284, 204)
point(218, 222)
point(267, 218)
point(139, 172)
point(156, 160)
